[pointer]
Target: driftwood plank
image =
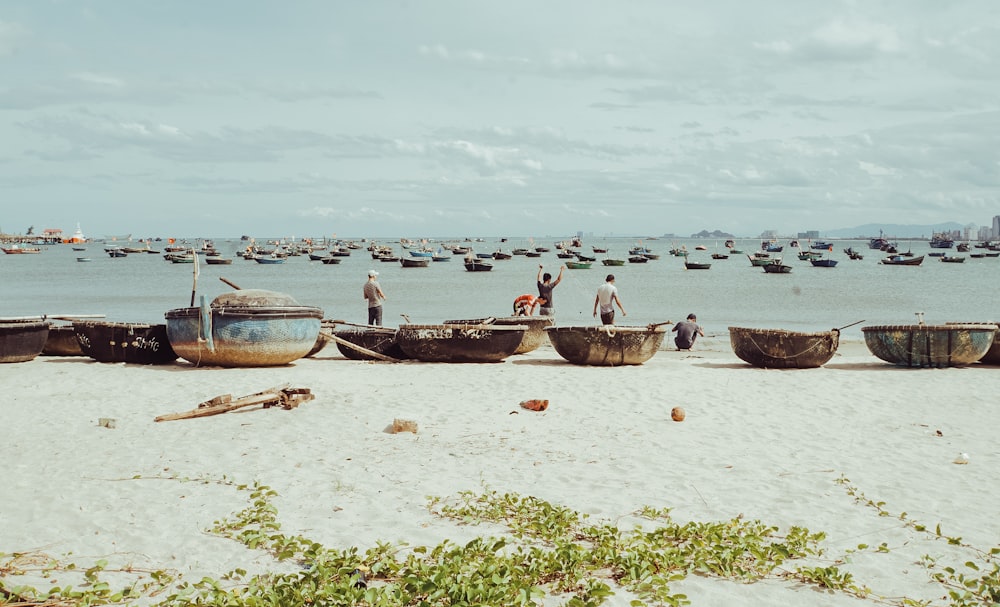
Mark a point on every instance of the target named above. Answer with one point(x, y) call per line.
point(283, 395)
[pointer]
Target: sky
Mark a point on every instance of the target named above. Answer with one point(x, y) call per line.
point(473, 118)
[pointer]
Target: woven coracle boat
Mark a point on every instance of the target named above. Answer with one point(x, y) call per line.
point(607, 345)
point(245, 328)
point(949, 345)
point(22, 340)
point(124, 342)
point(62, 341)
point(992, 356)
point(781, 349)
point(460, 343)
point(533, 338)
point(381, 340)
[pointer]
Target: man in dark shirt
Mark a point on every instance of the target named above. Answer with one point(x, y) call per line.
point(687, 331)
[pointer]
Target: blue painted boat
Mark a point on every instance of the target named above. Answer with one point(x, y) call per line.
point(949, 345)
point(247, 328)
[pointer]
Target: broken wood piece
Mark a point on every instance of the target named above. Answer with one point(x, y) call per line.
point(283, 396)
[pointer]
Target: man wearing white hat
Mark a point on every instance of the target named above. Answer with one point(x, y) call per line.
point(374, 296)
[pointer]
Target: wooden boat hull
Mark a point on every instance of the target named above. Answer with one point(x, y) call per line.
point(122, 342)
point(377, 339)
point(533, 338)
point(62, 341)
point(460, 343)
point(950, 345)
point(478, 266)
point(780, 349)
point(22, 340)
point(415, 262)
point(613, 262)
point(607, 346)
point(691, 265)
point(777, 268)
point(250, 328)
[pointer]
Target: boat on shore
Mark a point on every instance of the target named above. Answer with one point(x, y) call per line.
point(533, 337)
point(22, 340)
point(607, 345)
point(244, 328)
point(380, 340)
point(921, 345)
point(781, 349)
point(124, 342)
point(459, 343)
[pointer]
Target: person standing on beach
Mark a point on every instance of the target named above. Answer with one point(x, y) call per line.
point(607, 297)
point(374, 296)
point(545, 286)
point(687, 332)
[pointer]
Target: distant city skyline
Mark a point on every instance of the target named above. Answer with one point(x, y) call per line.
point(382, 119)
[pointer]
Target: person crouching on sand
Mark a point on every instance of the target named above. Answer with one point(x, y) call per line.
point(687, 332)
point(525, 304)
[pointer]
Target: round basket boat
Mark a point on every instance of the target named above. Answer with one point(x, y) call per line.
point(533, 338)
point(460, 343)
point(248, 328)
point(22, 340)
point(62, 341)
point(381, 340)
point(608, 345)
point(951, 345)
point(124, 342)
point(780, 349)
point(992, 356)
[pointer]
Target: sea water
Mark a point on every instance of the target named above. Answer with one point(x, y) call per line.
point(142, 287)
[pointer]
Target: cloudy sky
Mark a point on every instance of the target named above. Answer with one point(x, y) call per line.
point(464, 117)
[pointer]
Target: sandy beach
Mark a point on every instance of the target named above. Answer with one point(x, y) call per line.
point(785, 447)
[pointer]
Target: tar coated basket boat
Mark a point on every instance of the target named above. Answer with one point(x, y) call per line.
point(245, 328)
point(22, 340)
point(124, 342)
point(62, 341)
point(533, 338)
point(992, 356)
point(606, 345)
point(781, 349)
point(460, 343)
point(949, 345)
point(381, 340)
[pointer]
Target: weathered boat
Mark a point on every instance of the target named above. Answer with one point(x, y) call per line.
point(415, 262)
point(124, 342)
point(22, 340)
point(579, 265)
point(899, 260)
point(697, 265)
point(460, 343)
point(533, 338)
point(477, 265)
point(920, 345)
point(781, 349)
point(244, 328)
point(62, 341)
point(607, 345)
point(613, 262)
point(381, 340)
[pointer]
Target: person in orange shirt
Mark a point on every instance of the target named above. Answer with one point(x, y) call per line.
point(524, 305)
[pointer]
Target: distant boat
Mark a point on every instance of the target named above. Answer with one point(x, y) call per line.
point(116, 252)
point(941, 240)
point(218, 261)
point(415, 262)
point(83, 259)
point(478, 265)
point(638, 259)
point(16, 249)
point(695, 265)
point(899, 260)
point(953, 258)
point(777, 268)
point(613, 262)
point(578, 265)
point(269, 259)
point(823, 263)
point(720, 256)
point(330, 261)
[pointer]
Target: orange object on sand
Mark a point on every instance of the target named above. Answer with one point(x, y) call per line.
point(535, 404)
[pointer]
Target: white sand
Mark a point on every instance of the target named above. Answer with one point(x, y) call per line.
point(765, 444)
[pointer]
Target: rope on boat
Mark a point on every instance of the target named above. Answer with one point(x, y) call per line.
point(816, 345)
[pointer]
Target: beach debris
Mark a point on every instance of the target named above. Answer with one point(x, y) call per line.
point(535, 404)
point(107, 422)
point(962, 458)
point(283, 396)
point(677, 414)
point(404, 425)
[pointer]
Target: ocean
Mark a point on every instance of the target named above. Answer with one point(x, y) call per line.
point(142, 287)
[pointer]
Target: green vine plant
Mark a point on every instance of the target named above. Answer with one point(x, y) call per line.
point(546, 553)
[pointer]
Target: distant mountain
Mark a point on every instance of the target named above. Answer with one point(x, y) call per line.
point(892, 230)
